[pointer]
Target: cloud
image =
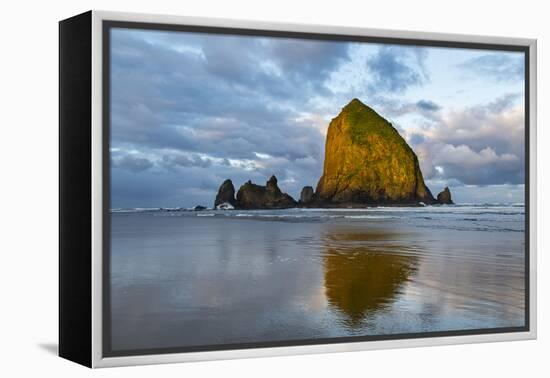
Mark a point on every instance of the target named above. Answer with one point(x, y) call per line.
point(499, 124)
point(179, 160)
point(478, 145)
point(132, 163)
point(189, 110)
point(464, 156)
point(210, 103)
point(498, 66)
point(186, 112)
point(308, 62)
point(393, 108)
point(428, 106)
point(485, 167)
point(395, 68)
point(190, 105)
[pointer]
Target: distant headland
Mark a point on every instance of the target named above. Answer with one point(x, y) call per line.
point(366, 163)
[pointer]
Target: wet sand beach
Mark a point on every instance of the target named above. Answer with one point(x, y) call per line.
point(214, 277)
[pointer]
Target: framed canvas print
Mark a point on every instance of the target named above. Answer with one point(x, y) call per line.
point(234, 189)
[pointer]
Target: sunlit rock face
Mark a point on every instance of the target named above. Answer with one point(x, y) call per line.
point(368, 162)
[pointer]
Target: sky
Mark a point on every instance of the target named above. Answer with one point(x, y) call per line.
point(189, 110)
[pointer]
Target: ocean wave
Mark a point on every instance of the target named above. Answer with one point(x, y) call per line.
point(256, 215)
point(309, 216)
point(430, 208)
point(464, 218)
point(368, 217)
point(135, 210)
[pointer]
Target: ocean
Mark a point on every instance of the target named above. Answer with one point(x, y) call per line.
point(213, 277)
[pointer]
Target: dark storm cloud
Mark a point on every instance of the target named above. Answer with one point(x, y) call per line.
point(159, 103)
point(500, 67)
point(193, 103)
point(396, 68)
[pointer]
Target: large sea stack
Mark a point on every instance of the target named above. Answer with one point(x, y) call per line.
point(368, 162)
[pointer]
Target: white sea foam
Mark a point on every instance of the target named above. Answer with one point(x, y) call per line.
point(225, 206)
point(135, 210)
point(368, 217)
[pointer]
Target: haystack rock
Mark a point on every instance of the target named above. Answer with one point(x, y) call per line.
point(368, 162)
point(226, 194)
point(444, 197)
point(252, 196)
point(306, 196)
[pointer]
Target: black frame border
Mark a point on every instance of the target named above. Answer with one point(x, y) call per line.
point(107, 25)
point(75, 189)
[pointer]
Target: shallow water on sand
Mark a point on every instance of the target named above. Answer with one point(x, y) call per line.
point(222, 277)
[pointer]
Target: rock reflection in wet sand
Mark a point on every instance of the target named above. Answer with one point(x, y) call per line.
point(363, 279)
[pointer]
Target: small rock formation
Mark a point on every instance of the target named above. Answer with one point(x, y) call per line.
point(306, 196)
point(199, 208)
point(444, 197)
point(368, 162)
point(226, 194)
point(252, 196)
